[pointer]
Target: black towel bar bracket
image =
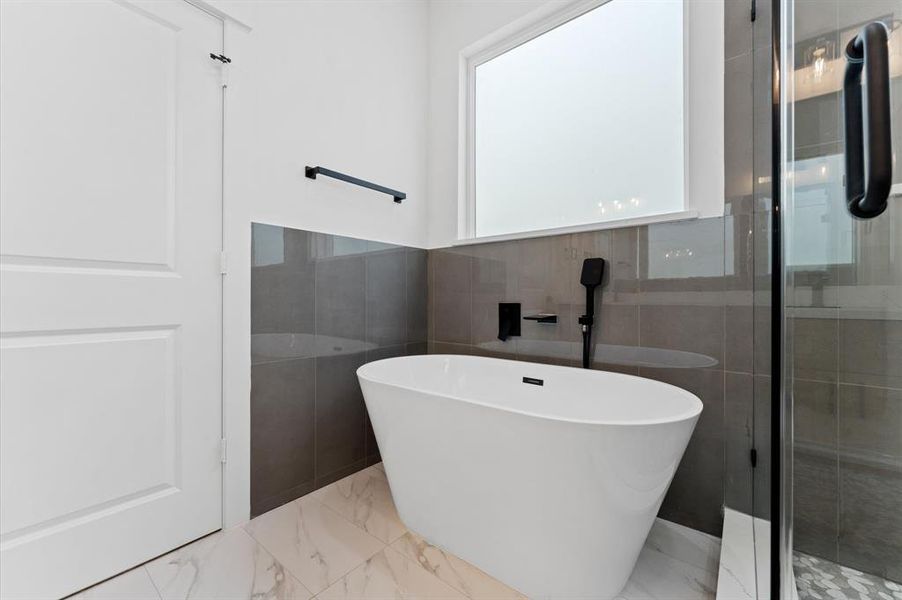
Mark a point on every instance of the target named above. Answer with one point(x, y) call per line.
point(312, 172)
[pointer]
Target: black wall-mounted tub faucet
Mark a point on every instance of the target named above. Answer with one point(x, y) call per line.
point(591, 277)
point(508, 320)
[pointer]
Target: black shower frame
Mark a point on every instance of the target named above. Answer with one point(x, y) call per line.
point(776, 424)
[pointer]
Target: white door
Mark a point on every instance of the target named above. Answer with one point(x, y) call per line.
point(110, 234)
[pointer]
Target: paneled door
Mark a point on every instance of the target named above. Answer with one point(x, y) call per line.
point(110, 287)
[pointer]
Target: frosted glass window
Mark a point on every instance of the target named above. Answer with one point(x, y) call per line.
point(582, 124)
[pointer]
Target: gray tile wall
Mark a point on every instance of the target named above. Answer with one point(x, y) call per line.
point(321, 306)
point(846, 341)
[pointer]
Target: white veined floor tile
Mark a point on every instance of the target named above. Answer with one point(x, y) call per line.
point(660, 576)
point(131, 585)
point(458, 573)
point(227, 565)
point(364, 498)
point(313, 542)
point(390, 575)
point(684, 544)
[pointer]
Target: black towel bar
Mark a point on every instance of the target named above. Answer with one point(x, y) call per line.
point(312, 172)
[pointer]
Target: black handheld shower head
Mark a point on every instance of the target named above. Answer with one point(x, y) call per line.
point(591, 276)
point(593, 272)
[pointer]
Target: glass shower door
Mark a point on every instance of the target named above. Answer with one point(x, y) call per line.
point(842, 308)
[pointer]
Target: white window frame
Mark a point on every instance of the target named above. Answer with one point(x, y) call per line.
point(703, 123)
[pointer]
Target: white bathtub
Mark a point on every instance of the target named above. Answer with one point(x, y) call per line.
point(550, 488)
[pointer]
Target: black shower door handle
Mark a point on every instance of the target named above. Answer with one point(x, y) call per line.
point(869, 175)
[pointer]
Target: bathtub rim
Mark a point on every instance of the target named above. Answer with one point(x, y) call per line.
point(693, 413)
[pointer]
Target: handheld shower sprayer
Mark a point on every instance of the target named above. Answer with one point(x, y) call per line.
point(591, 276)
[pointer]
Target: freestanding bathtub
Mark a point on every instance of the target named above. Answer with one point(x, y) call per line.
point(547, 478)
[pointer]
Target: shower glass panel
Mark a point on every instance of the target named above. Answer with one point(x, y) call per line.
point(842, 320)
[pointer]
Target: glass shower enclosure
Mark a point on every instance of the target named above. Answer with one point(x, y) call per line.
point(839, 273)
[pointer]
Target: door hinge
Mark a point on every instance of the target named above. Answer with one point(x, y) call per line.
point(753, 456)
point(753, 13)
point(223, 263)
point(223, 69)
point(222, 450)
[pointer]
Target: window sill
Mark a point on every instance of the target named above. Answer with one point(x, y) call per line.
point(613, 224)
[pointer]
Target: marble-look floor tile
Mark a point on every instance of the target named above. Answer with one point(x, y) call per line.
point(684, 544)
point(131, 585)
point(365, 499)
point(456, 572)
point(227, 565)
point(315, 543)
point(658, 575)
point(388, 574)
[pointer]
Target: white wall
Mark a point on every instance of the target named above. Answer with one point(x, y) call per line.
point(454, 25)
point(337, 84)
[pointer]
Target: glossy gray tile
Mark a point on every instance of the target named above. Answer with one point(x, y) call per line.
point(739, 345)
point(416, 281)
point(761, 474)
point(386, 297)
point(624, 278)
point(814, 412)
point(738, 439)
point(815, 502)
point(321, 305)
point(737, 28)
point(870, 522)
point(870, 352)
point(282, 294)
point(451, 317)
point(340, 413)
point(683, 262)
point(687, 328)
point(738, 112)
point(282, 398)
point(815, 348)
point(450, 296)
point(341, 297)
point(870, 424)
point(697, 492)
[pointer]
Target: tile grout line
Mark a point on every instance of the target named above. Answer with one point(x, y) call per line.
point(366, 560)
point(286, 567)
point(385, 545)
point(315, 364)
point(152, 581)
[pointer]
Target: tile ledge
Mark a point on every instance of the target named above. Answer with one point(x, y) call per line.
point(736, 578)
